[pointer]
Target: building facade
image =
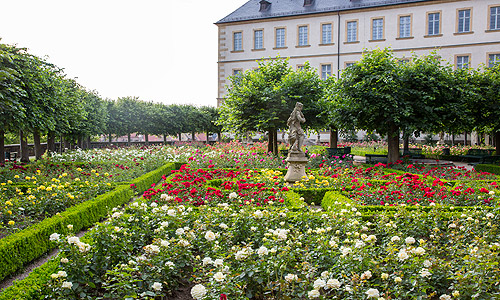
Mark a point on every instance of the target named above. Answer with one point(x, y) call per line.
point(332, 34)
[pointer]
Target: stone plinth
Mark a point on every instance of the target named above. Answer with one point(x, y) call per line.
point(297, 161)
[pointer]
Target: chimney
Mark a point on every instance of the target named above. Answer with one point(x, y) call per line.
point(264, 5)
point(308, 2)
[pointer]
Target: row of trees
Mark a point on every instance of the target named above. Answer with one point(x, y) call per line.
point(377, 93)
point(37, 98)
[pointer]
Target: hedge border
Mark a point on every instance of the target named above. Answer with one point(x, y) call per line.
point(494, 169)
point(20, 248)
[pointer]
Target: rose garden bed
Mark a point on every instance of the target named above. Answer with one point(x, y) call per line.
point(243, 233)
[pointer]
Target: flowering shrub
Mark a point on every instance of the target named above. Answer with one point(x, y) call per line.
point(245, 252)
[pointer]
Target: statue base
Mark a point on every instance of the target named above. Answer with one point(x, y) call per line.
point(297, 161)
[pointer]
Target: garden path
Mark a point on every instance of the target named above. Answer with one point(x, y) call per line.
point(362, 159)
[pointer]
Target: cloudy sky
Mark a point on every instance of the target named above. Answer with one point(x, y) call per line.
point(158, 50)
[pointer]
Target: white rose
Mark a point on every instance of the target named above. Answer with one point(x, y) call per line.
point(219, 277)
point(67, 285)
point(319, 283)
point(218, 262)
point(73, 240)
point(425, 273)
point(403, 255)
point(54, 237)
point(171, 212)
point(169, 264)
point(366, 275)
point(398, 279)
point(164, 243)
point(427, 263)
point(258, 214)
point(490, 215)
point(291, 277)
point(419, 251)
point(210, 236)
point(410, 240)
point(372, 293)
point(64, 260)
point(156, 286)
point(223, 226)
point(313, 294)
point(445, 297)
point(233, 195)
point(262, 251)
point(179, 231)
point(333, 283)
point(163, 196)
point(62, 274)
point(325, 274)
point(207, 261)
point(198, 291)
point(395, 239)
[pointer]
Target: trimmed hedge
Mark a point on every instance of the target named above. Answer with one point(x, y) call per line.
point(18, 249)
point(294, 201)
point(494, 169)
point(312, 195)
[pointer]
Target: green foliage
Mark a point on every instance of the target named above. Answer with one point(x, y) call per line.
point(494, 169)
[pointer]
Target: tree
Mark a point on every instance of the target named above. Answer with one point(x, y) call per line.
point(262, 99)
point(368, 96)
point(486, 108)
point(209, 117)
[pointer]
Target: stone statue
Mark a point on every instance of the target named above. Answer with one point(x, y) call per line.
point(296, 134)
point(296, 159)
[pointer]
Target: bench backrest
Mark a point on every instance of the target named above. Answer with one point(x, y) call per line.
point(479, 152)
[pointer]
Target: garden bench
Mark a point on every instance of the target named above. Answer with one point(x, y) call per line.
point(492, 159)
point(338, 151)
point(372, 158)
point(476, 154)
point(413, 153)
point(10, 156)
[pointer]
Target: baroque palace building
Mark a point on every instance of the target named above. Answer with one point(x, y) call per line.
point(332, 34)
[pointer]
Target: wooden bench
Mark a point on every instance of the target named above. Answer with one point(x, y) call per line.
point(412, 153)
point(373, 158)
point(476, 154)
point(338, 151)
point(492, 159)
point(10, 156)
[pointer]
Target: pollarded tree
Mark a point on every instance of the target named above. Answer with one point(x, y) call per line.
point(486, 108)
point(368, 96)
point(262, 99)
point(209, 117)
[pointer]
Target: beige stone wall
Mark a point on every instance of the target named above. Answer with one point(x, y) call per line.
point(477, 44)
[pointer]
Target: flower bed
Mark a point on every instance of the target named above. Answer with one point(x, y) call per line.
point(273, 253)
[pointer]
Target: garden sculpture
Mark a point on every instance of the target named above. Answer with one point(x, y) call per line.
point(296, 159)
point(296, 134)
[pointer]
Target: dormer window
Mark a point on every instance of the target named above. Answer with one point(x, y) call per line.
point(264, 5)
point(308, 2)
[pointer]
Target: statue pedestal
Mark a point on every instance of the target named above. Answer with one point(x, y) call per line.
point(297, 161)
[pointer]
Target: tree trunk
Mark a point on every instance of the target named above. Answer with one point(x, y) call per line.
point(275, 142)
point(38, 146)
point(128, 139)
point(465, 138)
point(67, 144)
point(61, 144)
point(219, 136)
point(334, 138)
point(164, 139)
point(270, 143)
point(406, 144)
point(193, 136)
point(2, 146)
point(24, 150)
point(51, 141)
point(208, 133)
point(88, 143)
point(109, 138)
point(453, 139)
point(79, 142)
point(146, 139)
point(393, 144)
point(497, 142)
point(180, 137)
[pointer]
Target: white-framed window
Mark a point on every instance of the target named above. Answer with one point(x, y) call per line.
point(238, 41)
point(349, 64)
point(258, 39)
point(237, 72)
point(463, 20)
point(493, 59)
point(303, 36)
point(280, 37)
point(326, 71)
point(352, 31)
point(404, 26)
point(462, 62)
point(494, 17)
point(326, 33)
point(433, 25)
point(377, 29)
